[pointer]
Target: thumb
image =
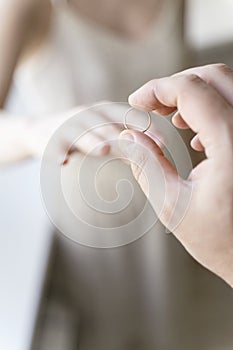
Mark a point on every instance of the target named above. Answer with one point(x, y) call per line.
point(157, 177)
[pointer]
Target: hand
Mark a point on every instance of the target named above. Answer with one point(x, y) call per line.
point(95, 131)
point(198, 210)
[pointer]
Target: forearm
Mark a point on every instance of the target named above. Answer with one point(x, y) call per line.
point(27, 136)
point(13, 139)
point(24, 24)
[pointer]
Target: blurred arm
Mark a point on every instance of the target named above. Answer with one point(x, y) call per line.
point(24, 24)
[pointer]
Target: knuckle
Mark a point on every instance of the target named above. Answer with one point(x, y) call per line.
point(151, 82)
point(221, 67)
point(191, 78)
point(186, 82)
point(150, 85)
point(218, 70)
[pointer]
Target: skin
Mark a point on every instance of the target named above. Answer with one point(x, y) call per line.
point(199, 209)
point(25, 27)
point(127, 18)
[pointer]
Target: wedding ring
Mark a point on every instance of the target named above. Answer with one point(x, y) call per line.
point(148, 125)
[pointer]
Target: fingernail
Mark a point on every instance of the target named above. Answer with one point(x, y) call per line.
point(132, 97)
point(127, 135)
point(126, 142)
point(64, 161)
point(104, 149)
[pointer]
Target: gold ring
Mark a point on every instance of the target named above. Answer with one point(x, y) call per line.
point(149, 123)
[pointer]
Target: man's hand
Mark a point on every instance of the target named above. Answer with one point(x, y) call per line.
point(198, 210)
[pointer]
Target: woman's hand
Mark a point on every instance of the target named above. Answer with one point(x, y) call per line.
point(199, 210)
point(90, 130)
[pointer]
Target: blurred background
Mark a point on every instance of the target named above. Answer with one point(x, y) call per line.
point(54, 293)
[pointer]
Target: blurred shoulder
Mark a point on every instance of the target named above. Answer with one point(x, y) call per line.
point(21, 13)
point(23, 6)
point(27, 19)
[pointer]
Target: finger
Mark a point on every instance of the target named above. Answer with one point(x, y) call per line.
point(113, 121)
point(100, 124)
point(196, 144)
point(179, 122)
point(219, 76)
point(99, 134)
point(156, 136)
point(114, 114)
point(199, 104)
point(154, 133)
point(155, 174)
point(92, 144)
point(66, 157)
point(145, 99)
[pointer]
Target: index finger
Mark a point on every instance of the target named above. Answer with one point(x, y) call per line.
point(199, 104)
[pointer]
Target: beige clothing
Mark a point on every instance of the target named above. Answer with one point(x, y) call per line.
point(83, 63)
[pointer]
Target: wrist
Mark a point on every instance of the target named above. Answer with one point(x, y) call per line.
point(26, 138)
